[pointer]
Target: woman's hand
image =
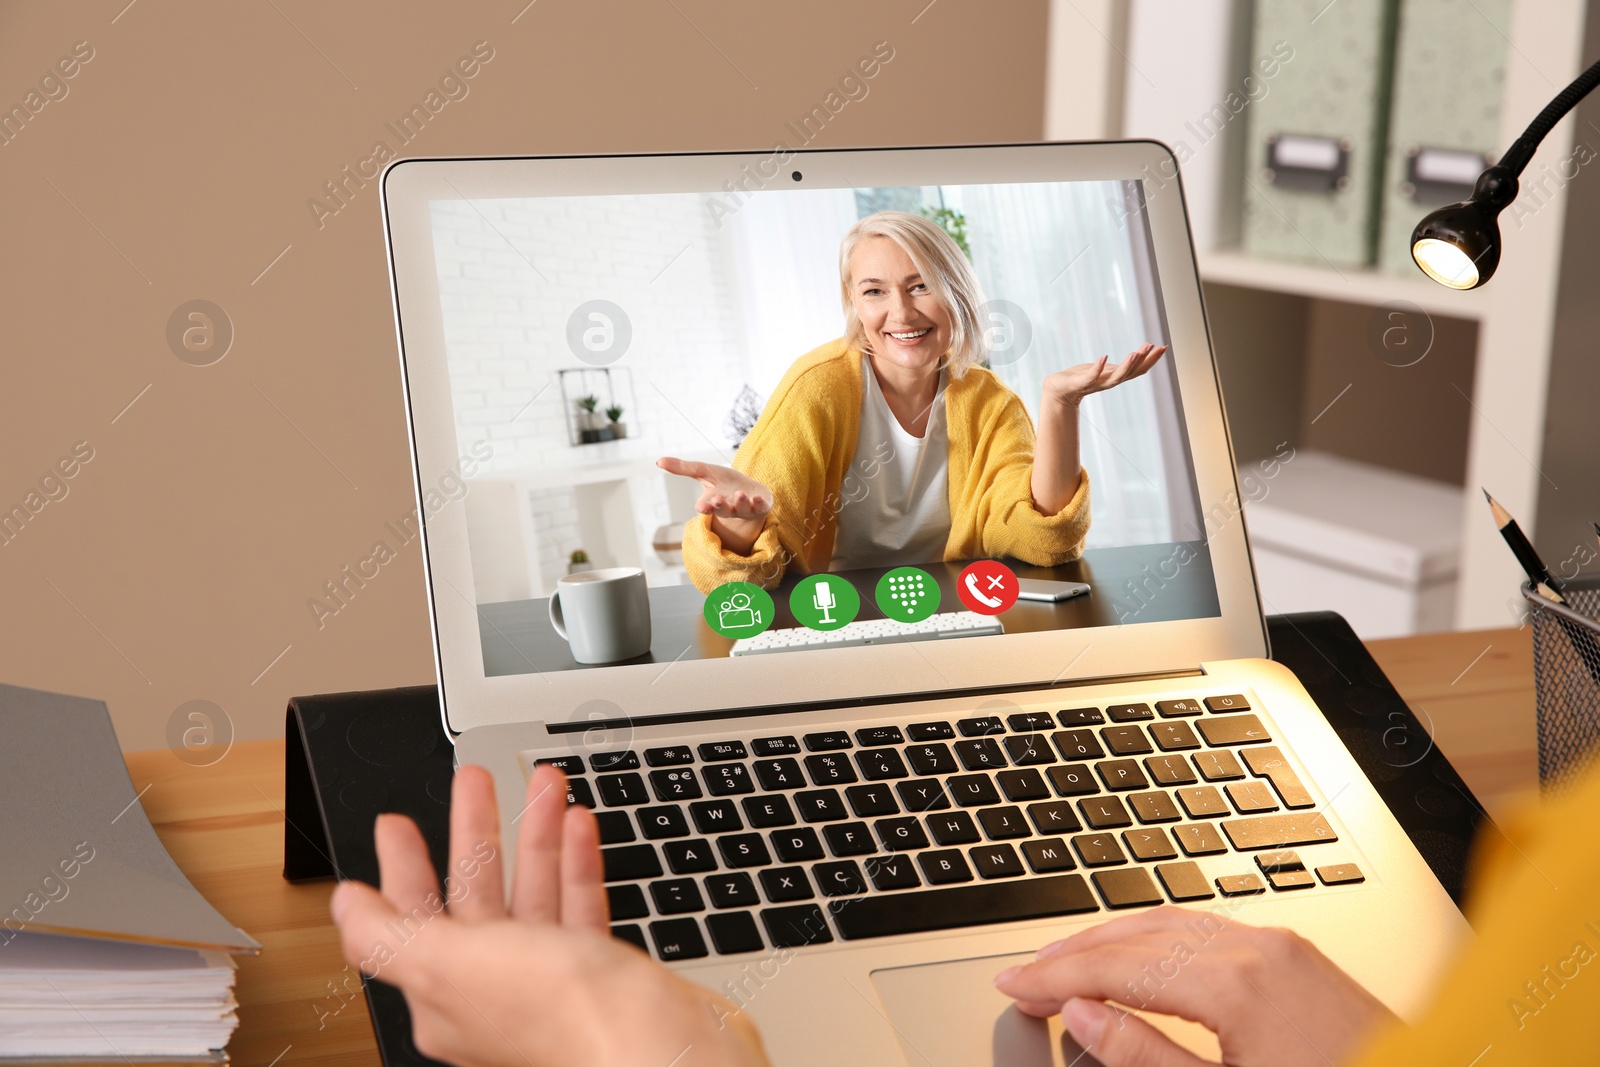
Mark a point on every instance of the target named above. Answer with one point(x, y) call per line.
point(1070, 386)
point(535, 981)
point(1267, 993)
point(1057, 469)
point(737, 503)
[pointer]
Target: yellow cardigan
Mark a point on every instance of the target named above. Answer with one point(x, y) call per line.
point(802, 446)
point(1527, 984)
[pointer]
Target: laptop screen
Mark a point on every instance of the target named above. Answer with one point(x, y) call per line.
point(739, 423)
point(697, 433)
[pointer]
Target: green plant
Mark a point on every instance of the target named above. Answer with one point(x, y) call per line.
point(588, 403)
point(578, 556)
point(614, 413)
point(951, 222)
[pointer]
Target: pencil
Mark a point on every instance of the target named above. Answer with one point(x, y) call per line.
point(1547, 584)
point(1581, 638)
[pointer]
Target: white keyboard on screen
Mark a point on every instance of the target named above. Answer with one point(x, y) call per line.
point(870, 632)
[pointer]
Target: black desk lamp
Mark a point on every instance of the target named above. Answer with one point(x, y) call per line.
point(1459, 246)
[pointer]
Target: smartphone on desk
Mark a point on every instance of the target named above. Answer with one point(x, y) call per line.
point(1042, 589)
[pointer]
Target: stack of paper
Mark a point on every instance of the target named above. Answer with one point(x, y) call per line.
point(71, 996)
point(106, 950)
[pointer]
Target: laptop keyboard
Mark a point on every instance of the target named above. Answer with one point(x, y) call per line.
point(869, 632)
point(735, 846)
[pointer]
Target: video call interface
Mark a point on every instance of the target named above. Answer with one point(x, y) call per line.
point(699, 426)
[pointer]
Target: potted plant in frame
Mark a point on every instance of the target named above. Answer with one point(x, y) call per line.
point(619, 429)
point(578, 562)
point(588, 421)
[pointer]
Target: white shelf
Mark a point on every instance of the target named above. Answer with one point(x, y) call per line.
point(582, 470)
point(1518, 316)
point(1351, 285)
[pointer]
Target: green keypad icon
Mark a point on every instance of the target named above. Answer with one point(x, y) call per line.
point(908, 594)
point(824, 602)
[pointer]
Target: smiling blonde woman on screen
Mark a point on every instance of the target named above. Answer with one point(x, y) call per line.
point(891, 444)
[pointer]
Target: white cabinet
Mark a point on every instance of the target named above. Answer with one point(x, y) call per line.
point(1380, 547)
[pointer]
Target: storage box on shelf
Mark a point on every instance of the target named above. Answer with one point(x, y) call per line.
point(1379, 547)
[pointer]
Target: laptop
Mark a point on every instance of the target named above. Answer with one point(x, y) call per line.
point(847, 808)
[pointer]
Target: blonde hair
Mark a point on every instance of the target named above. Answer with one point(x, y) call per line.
point(944, 269)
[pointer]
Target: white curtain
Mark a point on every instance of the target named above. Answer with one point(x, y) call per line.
point(1071, 255)
point(785, 253)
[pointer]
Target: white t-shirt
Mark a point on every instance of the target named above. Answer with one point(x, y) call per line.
point(897, 490)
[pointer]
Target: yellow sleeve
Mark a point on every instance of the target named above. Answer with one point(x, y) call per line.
point(1007, 521)
point(1526, 988)
point(710, 564)
point(799, 449)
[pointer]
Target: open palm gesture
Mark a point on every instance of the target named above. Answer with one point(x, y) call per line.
point(724, 492)
point(1070, 386)
point(736, 502)
point(531, 977)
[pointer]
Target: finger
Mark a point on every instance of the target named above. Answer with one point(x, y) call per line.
point(1102, 368)
point(1126, 927)
point(741, 502)
point(1117, 373)
point(475, 882)
point(362, 915)
point(1116, 1037)
point(685, 467)
point(536, 886)
point(1122, 972)
point(1137, 363)
point(583, 890)
point(405, 869)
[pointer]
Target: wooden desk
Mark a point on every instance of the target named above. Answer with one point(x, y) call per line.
point(1474, 693)
point(224, 826)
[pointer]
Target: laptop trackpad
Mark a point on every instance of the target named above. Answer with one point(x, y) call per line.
point(951, 1015)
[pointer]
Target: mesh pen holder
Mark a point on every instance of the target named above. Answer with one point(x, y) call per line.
point(1566, 674)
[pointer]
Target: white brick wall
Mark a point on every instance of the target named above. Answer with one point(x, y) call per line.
point(555, 527)
point(506, 310)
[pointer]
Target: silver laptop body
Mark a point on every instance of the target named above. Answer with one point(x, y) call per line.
point(768, 823)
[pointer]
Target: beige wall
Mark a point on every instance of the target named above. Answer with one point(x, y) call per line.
point(178, 166)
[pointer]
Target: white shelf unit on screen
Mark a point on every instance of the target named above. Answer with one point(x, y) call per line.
point(512, 557)
point(1511, 334)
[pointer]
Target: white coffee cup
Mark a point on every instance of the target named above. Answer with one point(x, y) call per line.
point(603, 615)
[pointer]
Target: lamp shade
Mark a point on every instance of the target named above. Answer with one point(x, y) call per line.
point(1459, 245)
